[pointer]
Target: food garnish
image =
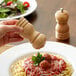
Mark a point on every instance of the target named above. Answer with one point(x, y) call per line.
point(37, 59)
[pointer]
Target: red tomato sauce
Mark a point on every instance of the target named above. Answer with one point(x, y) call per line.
point(57, 65)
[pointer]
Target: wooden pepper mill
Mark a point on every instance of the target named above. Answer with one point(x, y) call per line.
point(62, 28)
point(36, 38)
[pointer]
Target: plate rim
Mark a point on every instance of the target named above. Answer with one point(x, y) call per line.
point(68, 45)
point(28, 44)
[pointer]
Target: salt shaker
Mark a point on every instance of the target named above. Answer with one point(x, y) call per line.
point(62, 27)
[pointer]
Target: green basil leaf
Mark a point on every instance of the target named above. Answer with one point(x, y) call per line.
point(33, 58)
point(7, 1)
point(3, 15)
point(39, 55)
point(2, 10)
point(10, 0)
point(37, 59)
point(20, 6)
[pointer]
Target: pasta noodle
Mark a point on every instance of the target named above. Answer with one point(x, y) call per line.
point(17, 68)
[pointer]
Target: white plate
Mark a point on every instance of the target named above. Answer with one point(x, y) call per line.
point(6, 58)
point(32, 8)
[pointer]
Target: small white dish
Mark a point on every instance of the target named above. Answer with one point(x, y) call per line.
point(9, 56)
point(31, 9)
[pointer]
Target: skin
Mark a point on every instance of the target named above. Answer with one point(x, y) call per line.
point(9, 32)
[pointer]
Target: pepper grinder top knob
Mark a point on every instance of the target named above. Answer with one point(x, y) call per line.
point(61, 16)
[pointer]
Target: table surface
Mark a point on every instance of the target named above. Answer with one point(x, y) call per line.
point(44, 21)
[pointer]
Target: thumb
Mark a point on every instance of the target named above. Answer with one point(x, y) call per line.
point(11, 28)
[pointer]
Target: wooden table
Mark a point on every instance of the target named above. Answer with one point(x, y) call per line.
point(43, 19)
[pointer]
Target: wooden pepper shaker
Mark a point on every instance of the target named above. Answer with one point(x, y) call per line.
point(62, 27)
point(36, 38)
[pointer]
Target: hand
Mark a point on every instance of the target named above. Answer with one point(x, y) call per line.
point(9, 32)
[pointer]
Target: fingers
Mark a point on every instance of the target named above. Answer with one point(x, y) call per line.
point(9, 22)
point(17, 39)
point(12, 28)
point(7, 27)
point(11, 37)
